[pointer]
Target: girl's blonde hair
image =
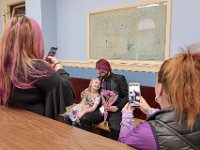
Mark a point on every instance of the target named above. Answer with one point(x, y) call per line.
point(180, 77)
point(89, 89)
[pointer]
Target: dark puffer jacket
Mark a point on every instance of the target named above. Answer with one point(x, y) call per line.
point(166, 139)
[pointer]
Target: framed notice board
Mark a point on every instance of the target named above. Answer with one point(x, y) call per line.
point(136, 34)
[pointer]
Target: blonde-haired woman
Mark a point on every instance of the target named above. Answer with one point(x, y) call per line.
point(177, 124)
point(90, 101)
point(27, 81)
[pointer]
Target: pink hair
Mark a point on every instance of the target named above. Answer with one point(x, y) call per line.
point(103, 64)
point(21, 46)
point(38, 46)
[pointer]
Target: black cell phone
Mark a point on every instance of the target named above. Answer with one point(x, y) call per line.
point(52, 52)
point(134, 93)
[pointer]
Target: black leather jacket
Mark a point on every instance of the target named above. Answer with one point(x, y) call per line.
point(118, 83)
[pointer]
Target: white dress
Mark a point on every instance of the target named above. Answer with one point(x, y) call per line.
point(78, 108)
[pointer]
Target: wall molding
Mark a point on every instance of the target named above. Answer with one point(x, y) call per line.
point(131, 66)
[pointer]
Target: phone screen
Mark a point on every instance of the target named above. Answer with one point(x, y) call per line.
point(134, 93)
point(52, 51)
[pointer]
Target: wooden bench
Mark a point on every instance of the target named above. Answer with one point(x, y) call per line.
point(100, 125)
point(103, 127)
point(147, 92)
point(81, 84)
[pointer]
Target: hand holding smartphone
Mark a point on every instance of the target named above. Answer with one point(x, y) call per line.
point(134, 93)
point(52, 52)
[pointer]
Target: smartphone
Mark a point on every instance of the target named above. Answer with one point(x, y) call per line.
point(52, 52)
point(134, 93)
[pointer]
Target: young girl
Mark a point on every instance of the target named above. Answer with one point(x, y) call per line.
point(90, 101)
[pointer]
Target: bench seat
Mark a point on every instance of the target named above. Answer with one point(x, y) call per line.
point(103, 127)
point(100, 125)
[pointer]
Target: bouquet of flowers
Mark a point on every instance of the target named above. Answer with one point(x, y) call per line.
point(108, 98)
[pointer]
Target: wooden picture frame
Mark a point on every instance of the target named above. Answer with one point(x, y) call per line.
point(8, 9)
point(110, 32)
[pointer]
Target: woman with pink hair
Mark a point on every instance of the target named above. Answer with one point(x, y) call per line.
point(27, 80)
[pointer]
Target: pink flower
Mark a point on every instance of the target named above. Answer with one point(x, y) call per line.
point(108, 98)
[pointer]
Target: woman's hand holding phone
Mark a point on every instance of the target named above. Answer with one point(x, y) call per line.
point(51, 53)
point(143, 105)
point(53, 59)
point(128, 107)
point(55, 63)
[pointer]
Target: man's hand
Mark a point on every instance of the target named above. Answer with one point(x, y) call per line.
point(112, 108)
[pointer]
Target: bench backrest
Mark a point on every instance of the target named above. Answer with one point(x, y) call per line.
point(147, 92)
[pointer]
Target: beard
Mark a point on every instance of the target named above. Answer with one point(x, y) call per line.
point(103, 74)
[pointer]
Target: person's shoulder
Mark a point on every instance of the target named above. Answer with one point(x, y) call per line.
point(42, 65)
point(119, 76)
